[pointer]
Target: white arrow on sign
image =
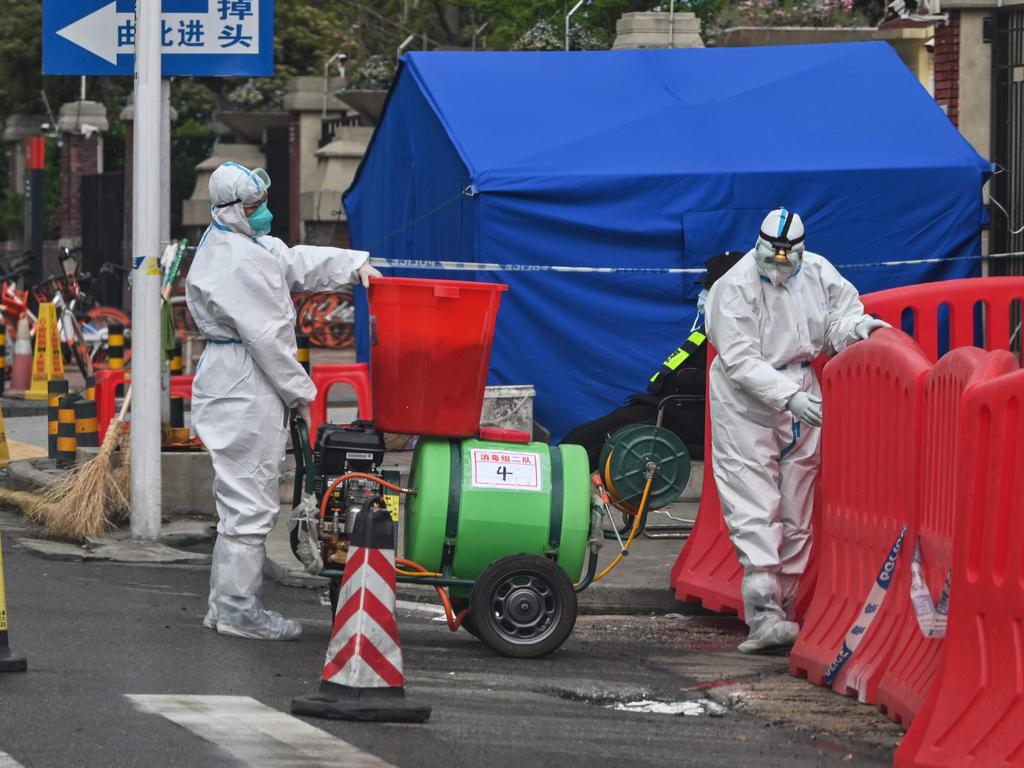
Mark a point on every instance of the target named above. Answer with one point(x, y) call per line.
point(233, 28)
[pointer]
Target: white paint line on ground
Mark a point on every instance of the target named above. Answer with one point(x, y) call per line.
point(426, 608)
point(6, 761)
point(259, 736)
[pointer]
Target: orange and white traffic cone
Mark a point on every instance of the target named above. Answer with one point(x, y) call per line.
point(362, 677)
point(21, 372)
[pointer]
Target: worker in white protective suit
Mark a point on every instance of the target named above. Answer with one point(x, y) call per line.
point(238, 292)
point(768, 318)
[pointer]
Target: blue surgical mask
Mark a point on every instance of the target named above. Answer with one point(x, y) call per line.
point(260, 220)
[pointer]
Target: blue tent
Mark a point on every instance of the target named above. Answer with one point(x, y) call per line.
point(654, 159)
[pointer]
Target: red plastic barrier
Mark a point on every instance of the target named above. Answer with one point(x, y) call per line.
point(871, 394)
point(356, 375)
point(974, 713)
point(915, 658)
point(997, 294)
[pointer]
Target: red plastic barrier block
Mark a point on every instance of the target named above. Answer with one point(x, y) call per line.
point(974, 713)
point(868, 468)
point(959, 298)
point(915, 657)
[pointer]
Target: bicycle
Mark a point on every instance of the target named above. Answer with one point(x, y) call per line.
point(328, 318)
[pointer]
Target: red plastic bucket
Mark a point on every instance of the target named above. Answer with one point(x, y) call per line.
point(430, 346)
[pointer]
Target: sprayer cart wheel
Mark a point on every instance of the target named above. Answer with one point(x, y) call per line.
point(523, 606)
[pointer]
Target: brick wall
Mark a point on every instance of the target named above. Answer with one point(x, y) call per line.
point(947, 66)
point(79, 157)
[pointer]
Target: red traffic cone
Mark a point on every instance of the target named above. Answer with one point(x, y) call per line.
point(21, 373)
point(362, 678)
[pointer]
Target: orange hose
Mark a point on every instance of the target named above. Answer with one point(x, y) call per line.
point(454, 622)
point(363, 476)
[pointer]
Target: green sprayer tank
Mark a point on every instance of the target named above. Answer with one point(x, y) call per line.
point(477, 501)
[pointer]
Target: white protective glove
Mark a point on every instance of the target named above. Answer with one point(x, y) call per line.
point(806, 408)
point(364, 273)
point(864, 328)
point(302, 411)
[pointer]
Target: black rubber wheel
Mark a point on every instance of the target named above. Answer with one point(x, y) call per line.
point(524, 606)
point(468, 623)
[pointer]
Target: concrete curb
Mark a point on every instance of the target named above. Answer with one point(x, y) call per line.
point(32, 475)
point(14, 407)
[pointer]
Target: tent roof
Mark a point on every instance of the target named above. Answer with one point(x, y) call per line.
point(524, 119)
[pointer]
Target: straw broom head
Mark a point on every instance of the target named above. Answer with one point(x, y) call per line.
point(83, 503)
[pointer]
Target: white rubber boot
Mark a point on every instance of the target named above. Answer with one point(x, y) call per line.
point(236, 584)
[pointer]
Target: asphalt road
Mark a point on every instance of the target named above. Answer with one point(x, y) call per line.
point(122, 673)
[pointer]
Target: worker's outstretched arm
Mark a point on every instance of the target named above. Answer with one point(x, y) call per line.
point(845, 310)
point(732, 329)
point(316, 268)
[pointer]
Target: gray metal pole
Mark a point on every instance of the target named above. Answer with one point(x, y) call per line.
point(146, 205)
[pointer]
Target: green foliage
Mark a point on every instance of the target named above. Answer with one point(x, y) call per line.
point(543, 36)
point(373, 74)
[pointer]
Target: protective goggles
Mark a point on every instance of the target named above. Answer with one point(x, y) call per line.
point(778, 252)
point(252, 190)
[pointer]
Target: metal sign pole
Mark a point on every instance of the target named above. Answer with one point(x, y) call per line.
point(146, 210)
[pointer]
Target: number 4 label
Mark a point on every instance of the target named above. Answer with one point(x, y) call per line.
point(509, 470)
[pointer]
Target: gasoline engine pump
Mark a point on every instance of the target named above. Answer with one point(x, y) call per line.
point(344, 479)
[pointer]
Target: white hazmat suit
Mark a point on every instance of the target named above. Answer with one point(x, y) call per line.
point(768, 318)
point(238, 291)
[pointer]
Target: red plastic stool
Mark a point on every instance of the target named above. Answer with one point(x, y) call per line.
point(107, 383)
point(356, 375)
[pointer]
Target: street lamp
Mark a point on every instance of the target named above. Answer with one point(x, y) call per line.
point(479, 30)
point(567, 17)
point(672, 24)
point(340, 58)
point(404, 45)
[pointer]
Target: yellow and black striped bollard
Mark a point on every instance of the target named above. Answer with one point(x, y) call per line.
point(87, 430)
point(67, 444)
point(302, 340)
point(9, 662)
point(115, 346)
point(177, 367)
point(90, 388)
point(55, 390)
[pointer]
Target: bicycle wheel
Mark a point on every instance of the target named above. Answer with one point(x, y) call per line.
point(103, 317)
point(79, 348)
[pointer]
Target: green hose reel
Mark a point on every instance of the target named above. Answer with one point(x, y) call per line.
point(626, 457)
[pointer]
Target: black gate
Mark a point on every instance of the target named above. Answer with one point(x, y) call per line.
point(1007, 187)
point(102, 200)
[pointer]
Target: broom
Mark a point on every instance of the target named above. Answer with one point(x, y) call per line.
point(85, 503)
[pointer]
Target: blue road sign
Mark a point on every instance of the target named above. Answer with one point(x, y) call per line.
point(200, 37)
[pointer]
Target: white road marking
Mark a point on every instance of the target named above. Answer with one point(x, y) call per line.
point(259, 736)
point(427, 608)
point(6, 761)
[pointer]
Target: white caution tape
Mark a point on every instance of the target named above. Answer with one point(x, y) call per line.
point(867, 614)
point(931, 617)
point(474, 266)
